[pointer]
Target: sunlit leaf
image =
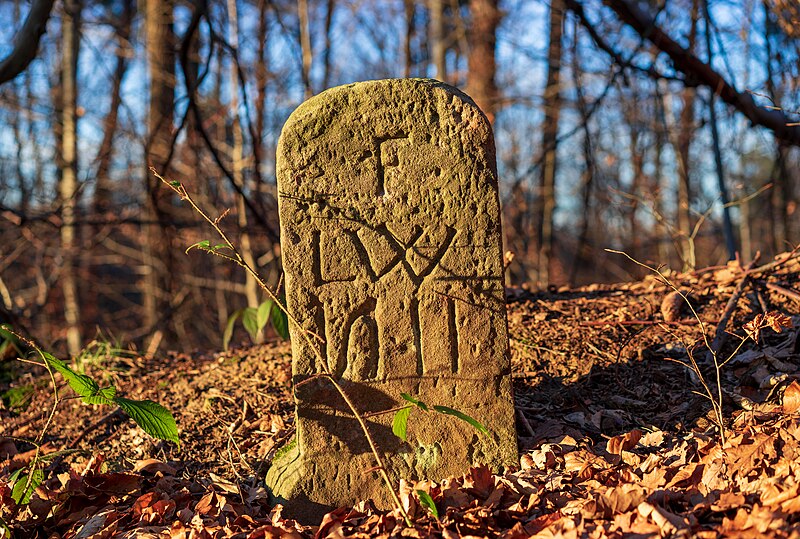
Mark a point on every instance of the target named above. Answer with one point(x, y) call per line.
point(204, 245)
point(426, 501)
point(250, 322)
point(26, 485)
point(104, 396)
point(280, 321)
point(400, 423)
point(228, 333)
point(154, 419)
point(461, 415)
point(264, 311)
point(80, 383)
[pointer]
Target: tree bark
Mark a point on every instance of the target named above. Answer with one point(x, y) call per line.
point(436, 39)
point(481, 86)
point(326, 54)
point(68, 186)
point(102, 192)
point(684, 142)
point(552, 105)
point(408, 38)
point(26, 42)
point(161, 69)
point(727, 223)
point(305, 46)
point(237, 158)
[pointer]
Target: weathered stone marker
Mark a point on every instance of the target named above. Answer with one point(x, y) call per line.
point(390, 232)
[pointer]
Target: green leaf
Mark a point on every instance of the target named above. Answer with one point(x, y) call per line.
point(204, 245)
point(175, 183)
point(228, 333)
point(426, 500)
point(154, 419)
point(400, 422)
point(461, 415)
point(81, 384)
point(263, 314)
point(220, 246)
point(417, 402)
point(280, 321)
point(250, 322)
point(104, 396)
point(22, 491)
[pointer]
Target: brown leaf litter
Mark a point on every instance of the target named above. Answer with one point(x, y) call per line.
point(615, 440)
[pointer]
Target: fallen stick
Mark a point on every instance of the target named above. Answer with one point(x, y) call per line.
point(791, 294)
point(719, 335)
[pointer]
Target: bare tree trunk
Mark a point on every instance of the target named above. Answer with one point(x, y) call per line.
point(161, 68)
point(305, 45)
point(237, 158)
point(68, 186)
point(727, 224)
point(262, 79)
point(485, 18)
point(326, 54)
point(436, 39)
point(410, 9)
point(102, 192)
point(589, 173)
point(684, 142)
point(552, 111)
point(781, 193)
point(662, 244)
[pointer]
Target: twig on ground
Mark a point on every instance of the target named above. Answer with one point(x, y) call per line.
point(526, 423)
point(791, 294)
point(721, 333)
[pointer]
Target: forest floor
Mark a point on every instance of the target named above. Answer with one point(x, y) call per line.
point(616, 437)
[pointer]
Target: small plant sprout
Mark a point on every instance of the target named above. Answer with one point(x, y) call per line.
point(153, 418)
point(228, 251)
point(400, 421)
point(255, 320)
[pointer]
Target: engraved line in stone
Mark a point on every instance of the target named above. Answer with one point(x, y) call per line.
point(452, 334)
point(415, 328)
point(381, 187)
point(367, 309)
point(318, 310)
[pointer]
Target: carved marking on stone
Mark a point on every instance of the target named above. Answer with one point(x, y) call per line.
point(388, 156)
point(392, 253)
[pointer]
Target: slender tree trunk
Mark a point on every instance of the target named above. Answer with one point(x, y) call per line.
point(781, 194)
point(326, 54)
point(637, 166)
point(436, 39)
point(305, 46)
point(102, 192)
point(262, 79)
point(68, 185)
point(684, 141)
point(481, 86)
point(237, 158)
point(161, 68)
point(727, 224)
point(588, 177)
point(552, 111)
point(410, 10)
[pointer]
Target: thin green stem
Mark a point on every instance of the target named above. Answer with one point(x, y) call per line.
point(306, 334)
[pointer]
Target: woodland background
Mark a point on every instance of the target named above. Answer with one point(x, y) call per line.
point(664, 128)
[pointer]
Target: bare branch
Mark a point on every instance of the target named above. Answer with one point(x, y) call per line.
point(696, 71)
point(26, 42)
